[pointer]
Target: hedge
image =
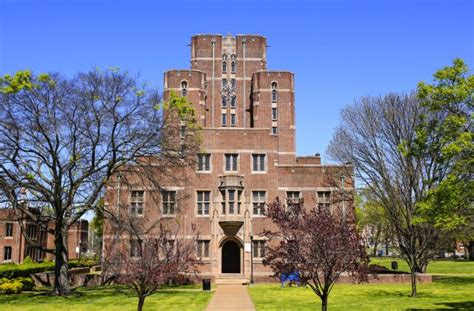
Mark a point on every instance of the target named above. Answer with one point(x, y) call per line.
point(12, 271)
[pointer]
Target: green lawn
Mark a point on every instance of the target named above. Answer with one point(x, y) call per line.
point(108, 298)
point(434, 267)
point(447, 293)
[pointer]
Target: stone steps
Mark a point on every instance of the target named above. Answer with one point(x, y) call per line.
point(231, 281)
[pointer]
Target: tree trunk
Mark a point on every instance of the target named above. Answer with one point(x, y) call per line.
point(141, 302)
point(324, 302)
point(413, 281)
point(470, 251)
point(376, 242)
point(61, 281)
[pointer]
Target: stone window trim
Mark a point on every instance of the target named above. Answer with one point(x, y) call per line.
point(324, 199)
point(265, 196)
point(234, 159)
point(259, 248)
point(203, 202)
point(265, 165)
point(274, 92)
point(169, 200)
point(184, 88)
point(204, 163)
point(274, 114)
point(132, 201)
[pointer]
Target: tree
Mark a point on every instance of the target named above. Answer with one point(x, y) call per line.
point(445, 136)
point(318, 245)
point(144, 257)
point(376, 135)
point(371, 219)
point(62, 139)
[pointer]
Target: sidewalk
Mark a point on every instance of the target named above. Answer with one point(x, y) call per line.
point(231, 297)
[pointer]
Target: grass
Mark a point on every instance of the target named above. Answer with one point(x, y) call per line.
point(448, 293)
point(435, 267)
point(108, 298)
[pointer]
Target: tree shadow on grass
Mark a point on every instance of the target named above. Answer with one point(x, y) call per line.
point(462, 305)
point(454, 280)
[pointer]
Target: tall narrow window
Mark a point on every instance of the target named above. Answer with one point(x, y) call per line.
point(232, 119)
point(224, 66)
point(231, 202)
point(8, 230)
point(135, 248)
point(224, 119)
point(259, 249)
point(224, 101)
point(204, 162)
point(182, 131)
point(233, 67)
point(258, 202)
point(233, 84)
point(169, 202)
point(224, 83)
point(231, 162)
point(136, 203)
point(7, 253)
point(258, 162)
point(274, 92)
point(184, 88)
point(274, 114)
point(203, 248)
point(232, 101)
point(324, 201)
point(223, 202)
point(203, 202)
point(274, 130)
point(224, 57)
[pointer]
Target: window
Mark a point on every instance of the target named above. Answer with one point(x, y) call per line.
point(224, 119)
point(136, 203)
point(258, 201)
point(224, 83)
point(135, 246)
point(274, 130)
point(274, 92)
point(258, 162)
point(231, 202)
point(203, 202)
point(324, 201)
point(292, 197)
point(203, 249)
point(231, 162)
point(224, 101)
point(169, 202)
point(7, 253)
point(274, 114)
point(259, 249)
point(224, 57)
point(184, 88)
point(9, 230)
point(170, 248)
point(182, 131)
point(233, 101)
point(224, 66)
point(223, 202)
point(232, 84)
point(204, 162)
point(233, 67)
point(31, 231)
point(232, 119)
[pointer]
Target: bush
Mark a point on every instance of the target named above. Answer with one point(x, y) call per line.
point(28, 283)
point(11, 287)
point(12, 271)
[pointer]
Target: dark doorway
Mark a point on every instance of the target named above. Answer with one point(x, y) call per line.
point(231, 257)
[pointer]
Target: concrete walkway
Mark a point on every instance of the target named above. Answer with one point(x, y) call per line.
point(231, 297)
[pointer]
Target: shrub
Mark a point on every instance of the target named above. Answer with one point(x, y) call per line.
point(12, 287)
point(28, 283)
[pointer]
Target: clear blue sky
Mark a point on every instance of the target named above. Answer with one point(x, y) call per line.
point(338, 50)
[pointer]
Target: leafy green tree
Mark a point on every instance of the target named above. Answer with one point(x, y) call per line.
point(445, 136)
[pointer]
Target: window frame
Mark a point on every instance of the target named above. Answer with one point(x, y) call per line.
point(130, 209)
point(5, 253)
point(9, 230)
point(325, 205)
point(203, 249)
point(274, 114)
point(167, 202)
point(232, 169)
point(224, 119)
point(265, 163)
point(203, 202)
point(260, 213)
point(259, 249)
point(274, 130)
point(206, 160)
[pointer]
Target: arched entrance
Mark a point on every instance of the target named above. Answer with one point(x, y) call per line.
point(231, 257)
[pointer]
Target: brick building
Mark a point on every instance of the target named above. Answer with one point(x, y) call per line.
point(14, 247)
point(247, 115)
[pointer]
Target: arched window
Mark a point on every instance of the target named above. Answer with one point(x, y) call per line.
point(184, 88)
point(274, 92)
point(224, 66)
point(232, 57)
point(224, 57)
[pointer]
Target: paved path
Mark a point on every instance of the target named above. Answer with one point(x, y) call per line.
point(231, 297)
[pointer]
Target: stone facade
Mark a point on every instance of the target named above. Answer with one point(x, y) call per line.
point(14, 247)
point(247, 115)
